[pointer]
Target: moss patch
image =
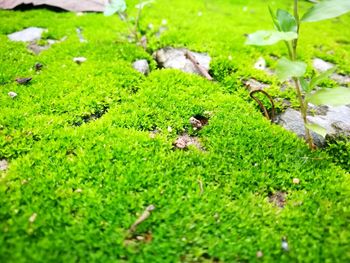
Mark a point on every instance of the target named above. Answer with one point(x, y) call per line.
point(84, 160)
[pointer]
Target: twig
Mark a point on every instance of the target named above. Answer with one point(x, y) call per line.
point(198, 66)
point(142, 218)
point(272, 117)
point(200, 183)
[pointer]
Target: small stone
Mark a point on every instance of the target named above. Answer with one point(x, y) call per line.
point(12, 94)
point(141, 66)
point(185, 140)
point(38, 66)
point(175, 58)
point(259, 254)
point(79, 60)
point(229, 57)
point(341, 79)
point(260, 64)
point(37, 49)
point(164, 22)
point(296, 181)
point(27, 35)
point(196, 124)
point(140, 238)
point(3, 165)
point(23, 81)
point(200, 13)
point(321, 65)
point(78, 190)
point(284, 244)
point(169, 129)
point(32, 217)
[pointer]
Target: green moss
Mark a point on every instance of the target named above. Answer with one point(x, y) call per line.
point(87, 128)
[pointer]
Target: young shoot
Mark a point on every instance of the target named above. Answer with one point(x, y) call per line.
point(119, 7)
point(287, 28)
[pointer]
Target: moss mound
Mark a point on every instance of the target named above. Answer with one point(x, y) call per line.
point(90, 146)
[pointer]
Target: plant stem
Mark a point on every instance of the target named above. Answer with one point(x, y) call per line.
point(137, 22)
point(292, 49)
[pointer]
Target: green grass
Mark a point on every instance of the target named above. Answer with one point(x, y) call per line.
point(120, 169)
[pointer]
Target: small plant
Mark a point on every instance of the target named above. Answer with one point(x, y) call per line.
point(119, 7)
point(287, 28)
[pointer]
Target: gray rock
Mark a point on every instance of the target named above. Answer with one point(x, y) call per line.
point(141, 66)
point(335, 120)
point(291, 120)
point(321, 65)
point(27, 35)
point(341, 79)
point(3, 165)
point(175, 58)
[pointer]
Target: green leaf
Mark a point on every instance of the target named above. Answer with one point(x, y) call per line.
point(304, 85)
point(332, 97)
point(318, 79)
point(287, 22)
point(326, 9)
point(287, 69)
point(114, 6)
point(269, 37)
point(317, 128)
point(274, 19)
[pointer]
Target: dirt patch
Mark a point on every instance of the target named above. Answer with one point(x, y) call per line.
point(278, 198)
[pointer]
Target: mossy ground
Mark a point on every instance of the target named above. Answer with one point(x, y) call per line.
point(120, 170)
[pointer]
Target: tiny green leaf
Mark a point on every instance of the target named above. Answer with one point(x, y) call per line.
point(274, 19)
point(332, 97)
point(287, 22)
point(326, 9)
point(317, 128)
point(114, 6)
point(304, 85)
point(269, 37)
point(287, 69)
point(318, 79)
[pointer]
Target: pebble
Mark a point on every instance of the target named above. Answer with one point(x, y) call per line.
point(296, 181)
point(12, 94)
point(141, 66)
point(259, 254)
point(79, 60)
point(33, 217)
point(3, 165)
point(27, 35)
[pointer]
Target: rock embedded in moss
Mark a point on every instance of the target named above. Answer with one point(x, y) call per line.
point(27, 35)
point(3, 165)
point(175, 58)
point(141, 66)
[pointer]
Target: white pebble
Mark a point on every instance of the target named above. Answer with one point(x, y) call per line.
point(12, 94)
